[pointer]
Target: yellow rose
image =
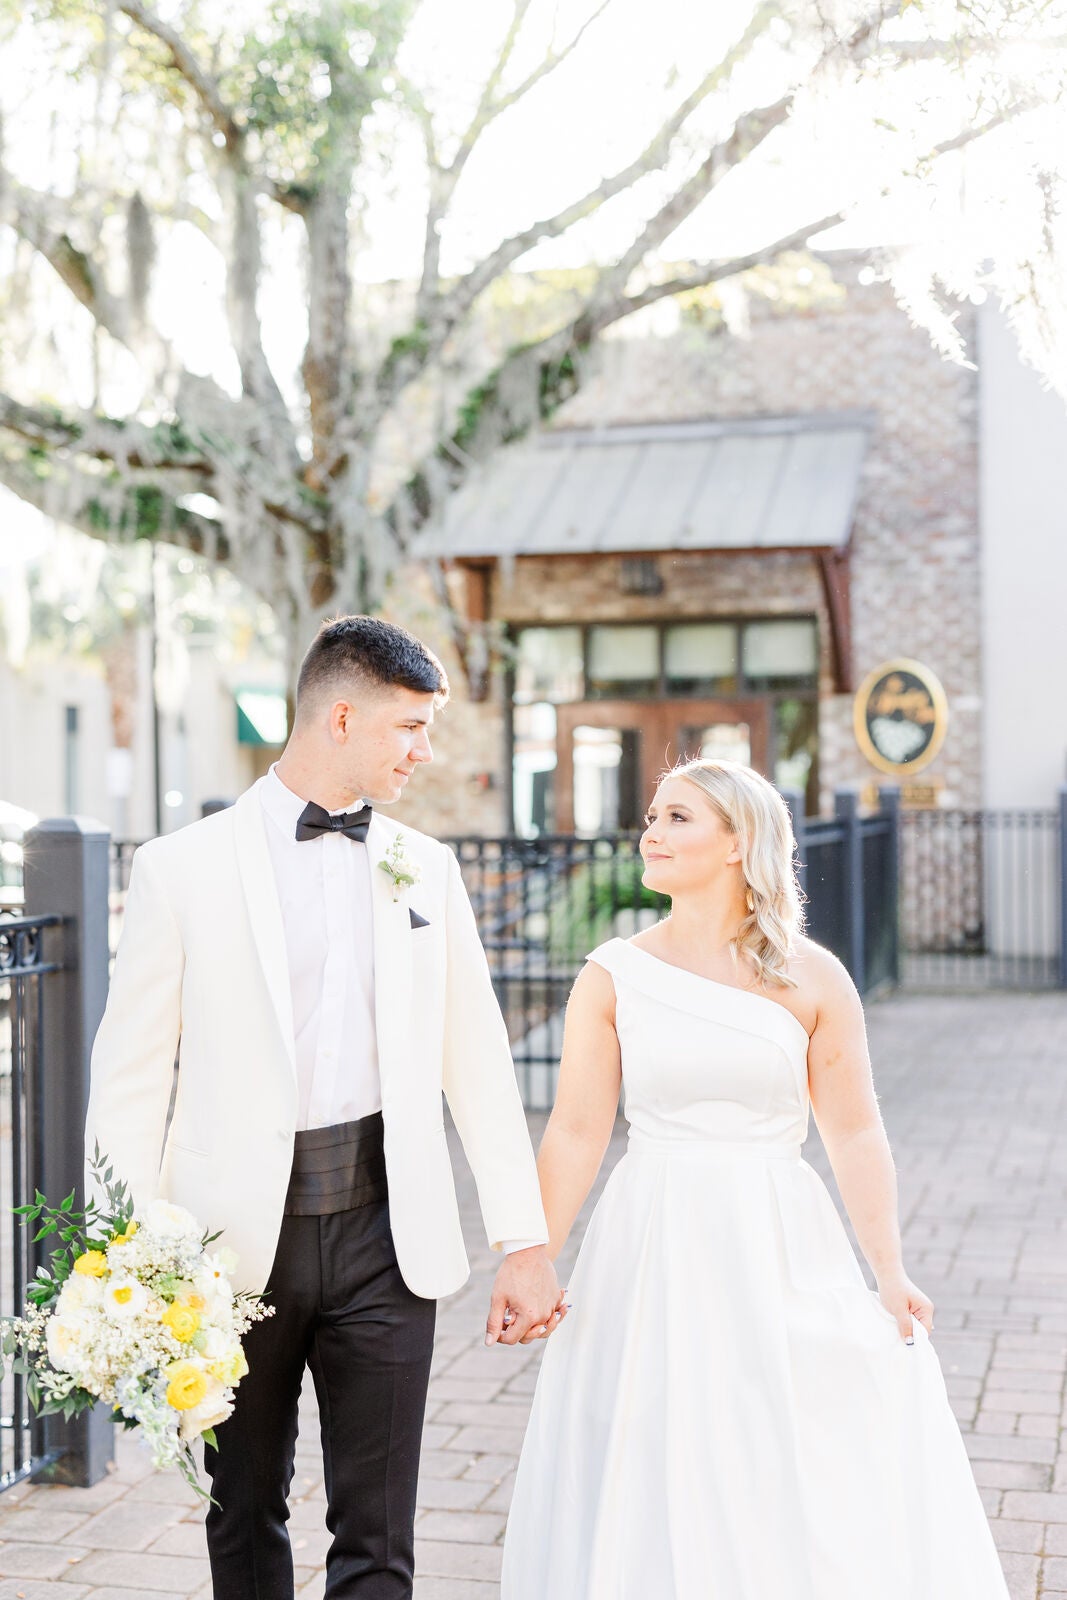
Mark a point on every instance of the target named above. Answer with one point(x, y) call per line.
point(187, 1386)
point(230, 1369)
point(93, 1264)
point(127, 1233)
point(182, 1320)
point(197, 1301)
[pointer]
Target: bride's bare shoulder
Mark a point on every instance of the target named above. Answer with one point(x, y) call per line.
point(817, 972)
point(594, 988)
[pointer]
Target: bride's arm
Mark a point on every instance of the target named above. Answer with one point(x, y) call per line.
point(846, 1110)
point(590, 1076)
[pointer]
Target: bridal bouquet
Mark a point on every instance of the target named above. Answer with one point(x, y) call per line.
point(139, 1313)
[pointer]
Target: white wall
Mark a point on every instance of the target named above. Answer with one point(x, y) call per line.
point(1023, 480)
point(33, 701)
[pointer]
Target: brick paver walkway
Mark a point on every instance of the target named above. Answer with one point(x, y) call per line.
point(974, 1092)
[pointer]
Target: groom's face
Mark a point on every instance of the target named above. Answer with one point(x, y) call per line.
point(382, 738)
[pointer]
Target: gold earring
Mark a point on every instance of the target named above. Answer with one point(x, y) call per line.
point(750, 899)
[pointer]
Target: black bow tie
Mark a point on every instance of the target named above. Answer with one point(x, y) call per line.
point(313, 821)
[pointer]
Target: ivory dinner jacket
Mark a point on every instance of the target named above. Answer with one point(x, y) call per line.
point(202, 970)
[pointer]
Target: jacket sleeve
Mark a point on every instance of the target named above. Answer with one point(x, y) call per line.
point(132, 1073)
point(480, 1086)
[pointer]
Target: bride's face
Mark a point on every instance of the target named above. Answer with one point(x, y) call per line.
point(686, 846)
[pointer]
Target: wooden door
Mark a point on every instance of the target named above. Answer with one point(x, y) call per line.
point(610, 753)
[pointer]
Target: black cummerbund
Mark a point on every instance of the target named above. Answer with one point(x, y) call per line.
point(338, 1169)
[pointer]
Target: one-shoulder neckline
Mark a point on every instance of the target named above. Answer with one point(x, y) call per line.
point(731, 988)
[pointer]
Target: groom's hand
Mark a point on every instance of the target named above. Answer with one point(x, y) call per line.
point(526, 1302)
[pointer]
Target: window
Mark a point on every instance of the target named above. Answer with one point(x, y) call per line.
point(549, 665)
point(605, 780)
point(780, 655)
point(623, 661)
point(534, 769)
point(701, 658)
point(796, 744)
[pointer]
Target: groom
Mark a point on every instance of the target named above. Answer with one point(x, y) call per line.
point(317, 970)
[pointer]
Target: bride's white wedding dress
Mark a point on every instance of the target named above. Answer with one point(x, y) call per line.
point(729, 1413)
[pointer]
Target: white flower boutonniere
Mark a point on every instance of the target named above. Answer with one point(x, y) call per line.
point(403, 871)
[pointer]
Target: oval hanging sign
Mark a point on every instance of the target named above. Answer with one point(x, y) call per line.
point(900, 716)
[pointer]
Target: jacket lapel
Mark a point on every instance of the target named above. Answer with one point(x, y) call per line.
point(264, 910)
point(392, 954)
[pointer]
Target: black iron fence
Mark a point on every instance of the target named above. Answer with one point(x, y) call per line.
point(53, 984)
point(543, 904)
point(983, 898)
point(28, 960)
point(849, 873)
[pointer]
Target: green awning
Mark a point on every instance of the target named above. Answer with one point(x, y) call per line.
point(261, 717)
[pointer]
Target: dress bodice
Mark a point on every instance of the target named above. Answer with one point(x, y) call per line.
point(703, 1060)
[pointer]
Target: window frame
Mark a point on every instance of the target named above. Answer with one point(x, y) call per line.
point(808, 689)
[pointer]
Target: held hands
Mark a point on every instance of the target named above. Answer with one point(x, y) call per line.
point(527, 1303)
point(903, 1300)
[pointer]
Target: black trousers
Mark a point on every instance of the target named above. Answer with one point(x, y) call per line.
point(342, 1308)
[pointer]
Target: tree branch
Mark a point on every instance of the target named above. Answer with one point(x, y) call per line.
point(131, 447)
point(709, 272)
point(184, 60)
point(554, 59)
point(110, 507)
point(748, 133)
point(31, 214)
point(437, 316)
point(165, 448)
point(443, 179)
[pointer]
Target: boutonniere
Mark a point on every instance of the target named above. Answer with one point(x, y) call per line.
point(400, 868)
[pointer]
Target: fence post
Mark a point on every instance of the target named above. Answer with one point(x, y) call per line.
point(66, 873)
point(889, 803)
point(847, 811)
point(1063, 889)
point(794, 799)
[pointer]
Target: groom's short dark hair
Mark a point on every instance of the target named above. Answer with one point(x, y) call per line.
point(371, 654)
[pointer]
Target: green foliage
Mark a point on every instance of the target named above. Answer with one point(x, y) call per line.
point(583, 908)
point(75, 1231)
point(414, 343)
point(794, 284)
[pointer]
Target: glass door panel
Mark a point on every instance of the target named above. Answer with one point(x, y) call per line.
point(610, 754)
point(606, 779)
point(600, 773)
point(719, 741)
point(718, 730)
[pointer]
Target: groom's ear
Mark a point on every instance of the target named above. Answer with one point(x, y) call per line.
point(416, 920)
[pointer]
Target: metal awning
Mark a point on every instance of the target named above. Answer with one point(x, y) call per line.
point(756, 483)
point(262, 717)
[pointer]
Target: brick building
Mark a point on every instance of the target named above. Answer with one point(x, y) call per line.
point(715, 542)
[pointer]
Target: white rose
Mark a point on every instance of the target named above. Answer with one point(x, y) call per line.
point(79, 1293)
point(169, 1221)
point(213, 1409)
point(65, 1337)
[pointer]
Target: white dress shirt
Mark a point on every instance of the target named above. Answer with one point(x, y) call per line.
point(324, 891)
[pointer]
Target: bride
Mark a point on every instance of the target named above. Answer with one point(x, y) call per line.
point(729, 1413)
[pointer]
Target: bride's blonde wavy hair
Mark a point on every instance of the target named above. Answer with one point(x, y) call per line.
point(752, 808)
